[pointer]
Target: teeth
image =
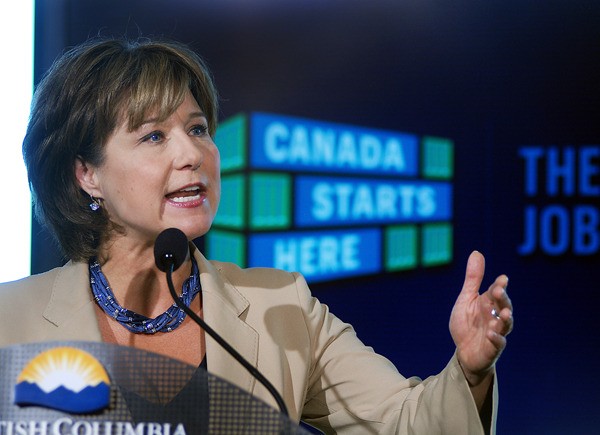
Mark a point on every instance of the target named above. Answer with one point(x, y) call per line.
point(182, 199)
point(185, 195)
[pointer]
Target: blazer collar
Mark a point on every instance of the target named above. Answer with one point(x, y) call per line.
point(71, 310)
point(224, 307)
point(71, 306)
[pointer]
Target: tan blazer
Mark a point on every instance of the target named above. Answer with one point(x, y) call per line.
point(325, 374)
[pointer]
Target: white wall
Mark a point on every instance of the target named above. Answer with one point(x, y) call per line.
point(16, 83)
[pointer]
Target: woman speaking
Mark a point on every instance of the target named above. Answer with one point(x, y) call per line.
point(119, 148)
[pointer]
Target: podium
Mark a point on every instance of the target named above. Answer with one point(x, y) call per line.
point(75, 387)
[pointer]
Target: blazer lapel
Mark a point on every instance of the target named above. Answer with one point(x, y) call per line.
point(71, 311)
point(71, 306)
point(223, 307)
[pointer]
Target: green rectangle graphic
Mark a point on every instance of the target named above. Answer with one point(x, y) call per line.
point(231, 138)
point(401, 247)
point(270, 201)
point(438, 158)
point(226, 246)
point(437, 244)
point(232, 208)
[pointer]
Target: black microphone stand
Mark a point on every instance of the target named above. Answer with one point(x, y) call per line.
point(253, 371)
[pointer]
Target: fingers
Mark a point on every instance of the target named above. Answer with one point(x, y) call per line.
point(497, 303)
point(495, 336)
point(474, 273)
point(502, 306)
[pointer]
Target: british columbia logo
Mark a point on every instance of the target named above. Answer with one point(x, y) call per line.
point(66, 379)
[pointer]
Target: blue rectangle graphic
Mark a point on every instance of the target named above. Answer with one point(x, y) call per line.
point(318, 255)
point(295, 144)
point(336, 201)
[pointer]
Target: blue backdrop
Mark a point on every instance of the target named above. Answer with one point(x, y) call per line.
point(513, 83)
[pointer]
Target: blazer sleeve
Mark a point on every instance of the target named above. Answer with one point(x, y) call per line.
point(351, 389)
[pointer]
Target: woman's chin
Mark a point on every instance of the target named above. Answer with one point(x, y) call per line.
point(192, 231)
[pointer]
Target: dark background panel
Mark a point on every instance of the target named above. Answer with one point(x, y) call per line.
point(492, 76)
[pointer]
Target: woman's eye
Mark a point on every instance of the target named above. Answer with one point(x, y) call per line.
point(155, 136)
point(199, 130)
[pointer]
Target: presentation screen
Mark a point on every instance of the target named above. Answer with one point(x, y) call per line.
point(331, 200)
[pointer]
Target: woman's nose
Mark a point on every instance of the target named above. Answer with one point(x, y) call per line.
point(189, 153)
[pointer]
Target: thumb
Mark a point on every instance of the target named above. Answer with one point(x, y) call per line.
point(473, 274)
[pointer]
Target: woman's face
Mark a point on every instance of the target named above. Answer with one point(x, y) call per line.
point(162, 175)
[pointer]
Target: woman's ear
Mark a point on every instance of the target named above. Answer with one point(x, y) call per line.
point(86, 177)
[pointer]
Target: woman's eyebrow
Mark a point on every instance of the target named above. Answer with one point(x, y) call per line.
point(198, 114)
point(156, 120)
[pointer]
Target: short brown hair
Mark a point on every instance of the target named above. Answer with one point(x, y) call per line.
point(79, 103)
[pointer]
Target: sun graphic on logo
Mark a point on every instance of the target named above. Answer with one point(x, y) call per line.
point(68, 367)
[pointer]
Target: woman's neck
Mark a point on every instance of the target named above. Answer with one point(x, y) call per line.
point(136, 282)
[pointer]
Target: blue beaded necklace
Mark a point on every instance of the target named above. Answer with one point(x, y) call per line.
point(166, 322)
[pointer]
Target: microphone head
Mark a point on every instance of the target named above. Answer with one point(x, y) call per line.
point(170, 247)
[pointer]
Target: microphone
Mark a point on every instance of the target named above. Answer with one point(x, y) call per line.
point(170, 251)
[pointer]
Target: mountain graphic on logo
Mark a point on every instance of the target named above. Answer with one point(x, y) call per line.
point(66, 379)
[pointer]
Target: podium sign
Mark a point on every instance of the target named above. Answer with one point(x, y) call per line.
point(104, 389)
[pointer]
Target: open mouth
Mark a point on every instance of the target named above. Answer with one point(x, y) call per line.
point(189, 194)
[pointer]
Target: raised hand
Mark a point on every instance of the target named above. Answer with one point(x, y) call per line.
point(479, 323)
